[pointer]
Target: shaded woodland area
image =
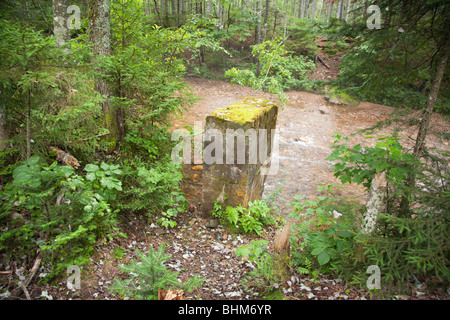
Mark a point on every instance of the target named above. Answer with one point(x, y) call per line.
point(88, 93)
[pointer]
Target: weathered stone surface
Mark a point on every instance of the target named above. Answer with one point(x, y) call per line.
point(237, 146)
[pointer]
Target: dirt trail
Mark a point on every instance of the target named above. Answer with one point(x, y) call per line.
point(306, 125)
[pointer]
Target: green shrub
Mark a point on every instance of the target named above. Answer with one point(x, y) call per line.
point(53, 209)
point(323, 233)
point(301, 39)
point(410, 241)
point(264, 274)
point(280, 70)
point(359, 164)
point(152, 188)
point(150, 274)
point(249, 220)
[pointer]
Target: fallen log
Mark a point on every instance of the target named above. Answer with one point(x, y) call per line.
point(323, 62)
point(65, 158)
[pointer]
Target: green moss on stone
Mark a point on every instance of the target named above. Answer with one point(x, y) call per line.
point(246, 110)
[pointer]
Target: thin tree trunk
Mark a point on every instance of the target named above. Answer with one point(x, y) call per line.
point(347, 9)
point(258, 36)
point(28, 125)
point(328, 12)
point(301, 11)
point(286, 19)
point(306, 12)
point(425, 123)
point(3, 131)
point(426, 117)
point(99, 31)
point(60, 29)
point(266, 21)
point(313, 10)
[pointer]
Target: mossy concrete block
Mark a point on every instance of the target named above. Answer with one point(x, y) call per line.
point(237, 144)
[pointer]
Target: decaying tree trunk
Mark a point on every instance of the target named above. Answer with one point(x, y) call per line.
point(170, 294)
point(375, 202)
point(282, 248)
point(281, 242)
point(65, 158)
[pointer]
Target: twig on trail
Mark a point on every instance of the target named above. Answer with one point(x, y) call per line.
point(27, 294)
point(23, 285)
point(323, 62)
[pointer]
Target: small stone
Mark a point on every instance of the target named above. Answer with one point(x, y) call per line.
point(159, 231)
point(212, 223)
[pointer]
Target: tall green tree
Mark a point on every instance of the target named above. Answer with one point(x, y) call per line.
point(99, 34)
point(24, 77)
point(395, 64)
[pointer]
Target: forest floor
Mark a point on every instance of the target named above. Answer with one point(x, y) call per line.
point(209, 253)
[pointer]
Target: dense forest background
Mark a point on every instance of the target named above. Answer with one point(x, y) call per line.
point(94, 85)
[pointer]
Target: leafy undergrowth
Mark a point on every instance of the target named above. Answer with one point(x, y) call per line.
point(196, 251)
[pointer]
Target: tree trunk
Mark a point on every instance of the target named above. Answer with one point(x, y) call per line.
point(258, 36)
point(60, 29)
point(99, 31)
point(328, 12)
point(375, 202)
point(347, 9)
point(313, 10)
point(4, 132)
point(425, 122)
point(28, 125)
point(301, 11)
point(286, 19)
point(306, 12)
point(209, 7)
point(266, 21)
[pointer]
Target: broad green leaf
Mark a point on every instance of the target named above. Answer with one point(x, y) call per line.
point(91, 167)
point(323, 258)
point(317, 251)
point(104, 166)
point(344, 234)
